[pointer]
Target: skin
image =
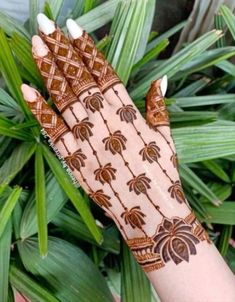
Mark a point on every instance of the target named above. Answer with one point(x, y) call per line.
point(128, 166)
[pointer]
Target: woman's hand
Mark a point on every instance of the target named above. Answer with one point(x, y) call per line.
point(126, 165)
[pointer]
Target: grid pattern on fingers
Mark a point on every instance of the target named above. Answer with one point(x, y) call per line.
point(56, 83)
point(69, 62)
point(99, 67)
point(48, 119)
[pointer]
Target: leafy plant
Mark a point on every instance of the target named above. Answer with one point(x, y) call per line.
point(51, 246)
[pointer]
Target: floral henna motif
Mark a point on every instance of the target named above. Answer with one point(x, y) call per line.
point(134, 217)
point(150, 152)
point(101, 198)
point(76, 160)
point(127, 113)
point(105, 174)
point(174, 240)
point(82, 130)
point(115, 142)
point(139, 184)
point(176, 192)
point(94, 101)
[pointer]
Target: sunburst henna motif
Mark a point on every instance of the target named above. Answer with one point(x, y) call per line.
point(150, 152)
point(101, 198)
point(115, 142)
point(127, 113)
point(174, 240)
point(105, 174)
point(176, 191)
point(82, 130)
point(134, 217)
point(76, 160)
point(139, 184)
point(94, 101)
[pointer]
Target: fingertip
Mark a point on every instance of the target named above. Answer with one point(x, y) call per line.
point(163, 85)
point(39, 47)
point(46, 25)
point(74, 29)
point(29, 93)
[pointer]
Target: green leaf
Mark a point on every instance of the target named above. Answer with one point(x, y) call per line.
point(225, 236)
point(173, 30)
point(227, 67)
point(47, 10)
point(216, 169)
point(89, 5)
point(41, 201)
point(16, 161)
point(73, 224)
point(150, 55)
point(10, 72)
point(8, 207)
point(127, 35)
point(204, 100)
point(135, 286)
point(29, 287)
point(9, 128)
point(219, 24)
point(189, 116)
point(9, 107)
point(221, 190)
point(73, 193)
point(193, 88)
point(33, 11)
point(176, 62)
point(67, 270)
point(229, 18)
point(10, 25)
point(197, 184)
point(55, 6)
point(199, 143)
point(205, 60)
point(28, 225)
point(98, 16)
point(5, 249)
point(224, 214)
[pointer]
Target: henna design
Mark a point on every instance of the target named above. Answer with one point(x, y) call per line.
point(176, 191)
point(127, 113)
point(98, 66)
point(150, 152)
point(101, 198)
point(82, 130)
point(175, 240)
point(94, 101)
point(69, 62)
point(76, 160)
point(134, 217)
point(105, 174)
point(115, 142)
point(48, 119)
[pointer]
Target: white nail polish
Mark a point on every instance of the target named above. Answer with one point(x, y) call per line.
point(46, 25)
point(74, 29)
point(39, 48)
point(29, 93)
point(163, 85)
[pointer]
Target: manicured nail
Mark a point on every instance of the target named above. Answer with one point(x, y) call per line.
point(29, 93)
point(39, 48)
point(46, 25)
point(163, 85)
point(74, 29)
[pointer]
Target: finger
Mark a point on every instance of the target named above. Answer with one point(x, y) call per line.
point(57, 86)
point(74, 69)
point(58, 132)
point(102, 71)
point(156, 111)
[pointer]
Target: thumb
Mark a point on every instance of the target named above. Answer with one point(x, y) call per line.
point(156, 111)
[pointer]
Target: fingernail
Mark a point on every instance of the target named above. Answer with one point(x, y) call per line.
point(39, 48)
point(46, 25)
point(74, 29)
point(163, 85)
point(29, 93)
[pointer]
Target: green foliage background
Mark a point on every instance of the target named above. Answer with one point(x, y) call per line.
point(51, 248)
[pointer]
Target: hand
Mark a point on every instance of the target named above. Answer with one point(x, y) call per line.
point(126, 165)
